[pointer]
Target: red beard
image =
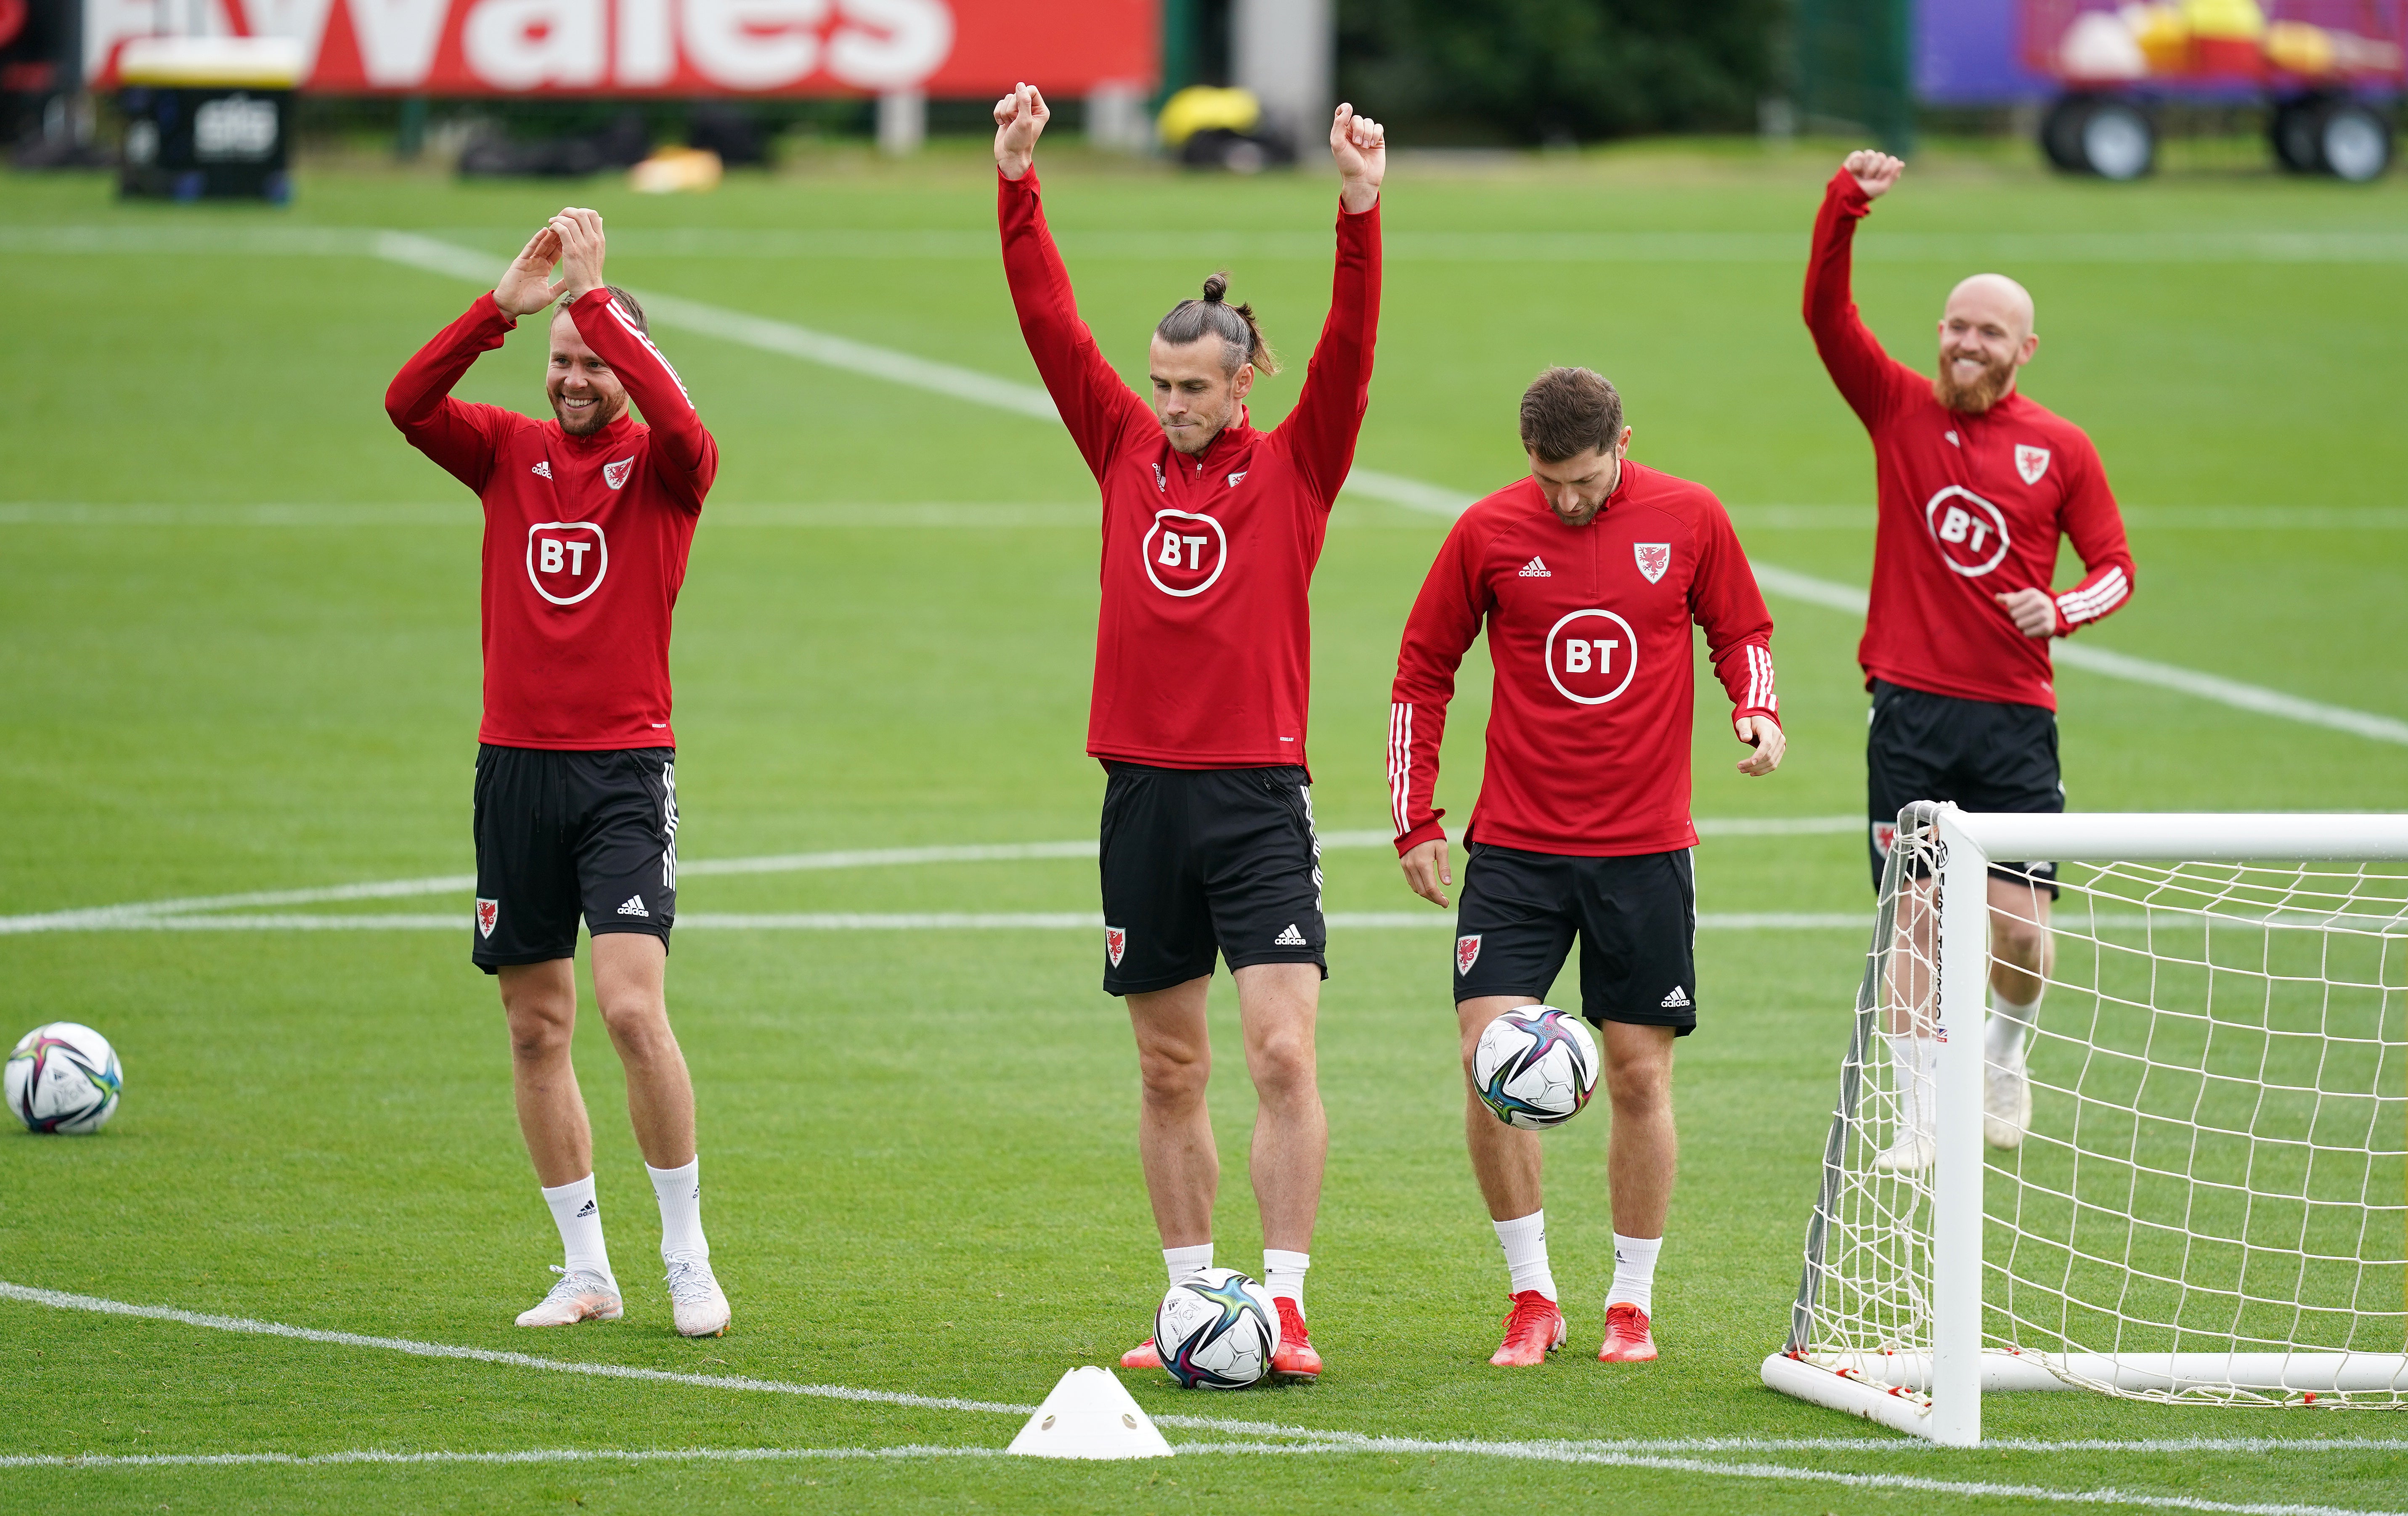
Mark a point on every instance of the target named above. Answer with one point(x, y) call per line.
point(1977, 397)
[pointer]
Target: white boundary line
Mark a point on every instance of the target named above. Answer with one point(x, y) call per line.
point(2210, 245)
point(1650, 1455)
point(182, 914)
point(1536, 1452)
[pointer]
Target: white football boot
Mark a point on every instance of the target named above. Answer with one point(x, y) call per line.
point(1911, 1153)
point(696, 1299)
point(2006, 1102)
point(581, 1296)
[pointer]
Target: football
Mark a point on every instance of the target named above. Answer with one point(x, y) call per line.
point(1216, 1331)
point(63, 1078)
point(1535, 1067)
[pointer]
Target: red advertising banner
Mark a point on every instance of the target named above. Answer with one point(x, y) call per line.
point(947, 47)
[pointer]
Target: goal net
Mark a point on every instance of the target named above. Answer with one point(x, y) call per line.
point(2207, 1199)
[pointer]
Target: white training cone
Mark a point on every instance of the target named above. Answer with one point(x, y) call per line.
point(1090, 1414)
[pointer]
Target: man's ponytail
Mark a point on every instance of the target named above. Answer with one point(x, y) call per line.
point(1240, 334)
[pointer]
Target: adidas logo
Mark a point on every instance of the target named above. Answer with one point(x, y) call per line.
point(544, 469)
point(635, 906)
point(1290, 939)
point(587, 1209)
point(1677, 1000)
point(1534, 569)
point(1951, 435)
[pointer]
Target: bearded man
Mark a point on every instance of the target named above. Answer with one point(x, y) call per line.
point(1975, 483)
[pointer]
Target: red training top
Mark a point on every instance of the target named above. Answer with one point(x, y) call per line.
point(585, 537)
point(1204, 642)
point(1588, 628)
point(1971, 506)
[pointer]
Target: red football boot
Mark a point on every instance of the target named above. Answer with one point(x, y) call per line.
point(1295, 1362)
point(1627, 1339)
point(1141, 1356)
point(1533, 1329)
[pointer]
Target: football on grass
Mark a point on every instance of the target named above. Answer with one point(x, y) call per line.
point(63, 1078)
point(1217, 1331)
point(1535, 1067)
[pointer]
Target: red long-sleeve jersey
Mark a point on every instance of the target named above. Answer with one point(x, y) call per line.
point(585, 537)
point(1970, 506)
point(1588, 630)
point(1204, 641)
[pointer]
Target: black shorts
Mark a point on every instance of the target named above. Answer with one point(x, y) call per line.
point(1206, 860)
point(561, 833)
point(1982, 754)
point(1637, 918)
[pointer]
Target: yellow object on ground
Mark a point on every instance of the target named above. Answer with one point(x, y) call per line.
point(2163, 37)
point(1203, 106)
point(2224, 19)
point(672, 169)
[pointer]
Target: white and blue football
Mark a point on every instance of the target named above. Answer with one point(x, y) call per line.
point(1217, 1330)
point(1535, 1067)
point(63, 1078)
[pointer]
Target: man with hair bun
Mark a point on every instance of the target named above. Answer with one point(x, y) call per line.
point(1203, 661)
point(1588, 575)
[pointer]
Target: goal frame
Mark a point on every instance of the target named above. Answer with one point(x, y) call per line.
point(1953, 1375)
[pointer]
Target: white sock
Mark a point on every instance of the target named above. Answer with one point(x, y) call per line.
point(2003, 1037)
point(1912, 1062)
point(1525, 1241)
point(579, 1216)
point(1283, 1274)
point(680, 1193)
point(1186, 1262)
point(1634, 1272)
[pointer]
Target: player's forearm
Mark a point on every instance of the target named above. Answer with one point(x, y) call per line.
point(1087, 391)
point(1747, 676)
point(418, 392)
point(2100, 595)
point(678, 435)
point(1330, 409)
point(1416, 728)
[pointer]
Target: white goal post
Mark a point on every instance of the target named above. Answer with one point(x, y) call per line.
point(2206, 1200)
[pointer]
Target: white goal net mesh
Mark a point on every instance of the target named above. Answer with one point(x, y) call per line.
point(2213, 1165)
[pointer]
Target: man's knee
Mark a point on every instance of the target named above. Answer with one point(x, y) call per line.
point(1172, 1071)
point(1282, 1062)
point(2018, 941)
point(639, 1026)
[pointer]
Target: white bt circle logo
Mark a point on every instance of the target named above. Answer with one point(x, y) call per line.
point(1591, 656)
point(1185, 553)
point(566, 560)
point(1972, 532)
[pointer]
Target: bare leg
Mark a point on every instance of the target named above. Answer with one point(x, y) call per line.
point(1911, 961)
point(2022, 952)
point(1174, 1130)
point(1504, 1159)
point(1277, 1004)
point(539, 1001)
point(630, 972)
point(1645, 1149)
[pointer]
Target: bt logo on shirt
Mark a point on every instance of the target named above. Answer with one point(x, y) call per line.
point(1971, 533)
point(1591, 656)
point(566, 560)
point(1185, 553)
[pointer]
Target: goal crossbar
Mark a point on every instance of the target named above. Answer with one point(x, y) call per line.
point(1921, 1361)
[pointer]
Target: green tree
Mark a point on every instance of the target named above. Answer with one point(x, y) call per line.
point(1556, 70)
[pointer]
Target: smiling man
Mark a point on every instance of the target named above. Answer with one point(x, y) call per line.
point(1203, 663)
point(588, 518)
point(1975, 483)
point(1588, 575)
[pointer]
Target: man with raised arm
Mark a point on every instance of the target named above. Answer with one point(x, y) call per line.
point(1975, 483)
point(1203, 660)
point(588, 518)
point(1588, 574)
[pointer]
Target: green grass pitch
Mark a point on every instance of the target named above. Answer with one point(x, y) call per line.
point(238, 647)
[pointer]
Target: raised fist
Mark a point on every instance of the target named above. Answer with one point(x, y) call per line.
point(1020, 120)
point(1360, 146)
point(1874, 172)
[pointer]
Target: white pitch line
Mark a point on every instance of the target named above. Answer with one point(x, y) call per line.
point(1559, 1453)
point(152, 915)
point(968, 245)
